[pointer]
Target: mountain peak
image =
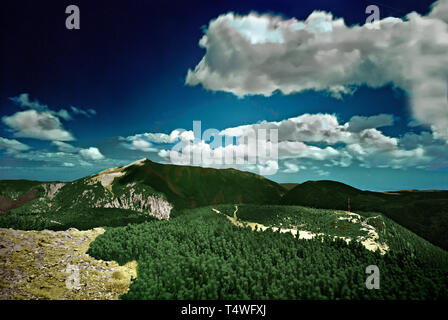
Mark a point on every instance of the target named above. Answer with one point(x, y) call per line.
point(136, 163)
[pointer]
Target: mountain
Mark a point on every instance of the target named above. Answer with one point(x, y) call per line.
point(190, 187)
point(423, 212)
point(145, 186)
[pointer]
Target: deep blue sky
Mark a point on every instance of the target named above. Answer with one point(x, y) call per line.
point(129, 61)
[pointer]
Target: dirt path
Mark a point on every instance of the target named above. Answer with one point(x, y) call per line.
point(255, 226)
point(370, 242)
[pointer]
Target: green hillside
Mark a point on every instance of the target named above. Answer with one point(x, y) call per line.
point(13, 189)
point(190, 187)
point(423, 212)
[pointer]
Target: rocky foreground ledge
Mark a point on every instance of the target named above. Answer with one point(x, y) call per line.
point(54, 265)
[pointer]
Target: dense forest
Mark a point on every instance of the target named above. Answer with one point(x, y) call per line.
point(199, 255)
point(81, 218)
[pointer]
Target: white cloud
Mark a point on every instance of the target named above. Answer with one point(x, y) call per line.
point(320, 137)
point(141, 145)
point(305, 128)
point(260, 54)
point(65, 147)
point(58, 157)
point(144, 141)
point(91, 153)
point(257, 29)
point(298, 149)
point(24, 101)
point(38, 125)
point(68, 164)
point(155, 137)
point(86, 159)
point(12, 145)
point(323, 173)
point(290, 167)
point(267, 168)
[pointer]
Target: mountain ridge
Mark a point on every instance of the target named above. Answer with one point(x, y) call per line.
point(149, 187)
point(161, 190)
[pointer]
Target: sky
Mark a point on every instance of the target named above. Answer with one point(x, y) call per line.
point(357, 101)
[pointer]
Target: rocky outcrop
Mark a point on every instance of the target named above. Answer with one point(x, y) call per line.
point(154, 206)
point(51, 189)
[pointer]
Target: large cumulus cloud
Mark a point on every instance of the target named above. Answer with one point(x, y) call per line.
point(260, 54)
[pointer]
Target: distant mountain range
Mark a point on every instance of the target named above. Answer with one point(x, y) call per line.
point(161, 189)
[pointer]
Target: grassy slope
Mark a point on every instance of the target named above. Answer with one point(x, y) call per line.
point(423, 212)
point(13, 189)
point(189, 187)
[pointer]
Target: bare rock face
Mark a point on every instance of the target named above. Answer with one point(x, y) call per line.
point(137, 200)
point(160, 208)
point(51, 189)
point(154, 206)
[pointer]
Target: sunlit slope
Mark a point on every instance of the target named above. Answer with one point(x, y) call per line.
point(97, 191)
point(147, 187)
point(423, 212)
